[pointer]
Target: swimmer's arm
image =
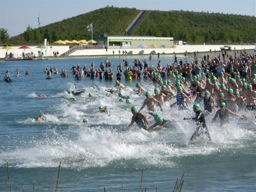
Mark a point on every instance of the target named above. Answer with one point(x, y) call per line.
point(158, 103)
point(130, 125)
point(143, 118)
point(152, 126)
point(235, 114)
point(216, 115)
point(144, 104)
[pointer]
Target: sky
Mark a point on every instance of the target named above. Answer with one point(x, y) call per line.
point(17, 15)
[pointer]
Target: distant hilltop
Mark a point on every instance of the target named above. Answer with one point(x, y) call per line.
point(192, 27)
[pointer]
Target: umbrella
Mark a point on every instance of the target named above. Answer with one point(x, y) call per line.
point(7, 47)
point(92, 41)
point(75, 42)
point(153, 45)
point(60, 42)
point(41, 47)
point(83, 41)
point(142, 46)
point(24, 47)
point(67, 41)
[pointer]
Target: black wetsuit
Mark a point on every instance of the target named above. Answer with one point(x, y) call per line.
point(139, 121)
point(207, 104)
point(201, 126)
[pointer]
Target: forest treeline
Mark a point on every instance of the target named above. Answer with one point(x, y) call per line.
point(192, 27)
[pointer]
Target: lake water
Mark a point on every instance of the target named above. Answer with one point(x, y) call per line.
point(98, 154)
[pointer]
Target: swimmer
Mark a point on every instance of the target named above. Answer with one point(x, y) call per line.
point(140, 89)
point(223, 114)
point(119, 85)
point(137, 118)
point(160, 123)
point(201, 124)
point(150, 102)
point(85, 120)
point(103, 109)
point(40, 118)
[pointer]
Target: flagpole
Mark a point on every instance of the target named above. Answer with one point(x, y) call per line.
point(92, 31)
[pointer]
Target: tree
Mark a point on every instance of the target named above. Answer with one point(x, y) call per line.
point(4, 36)
point(29, 34)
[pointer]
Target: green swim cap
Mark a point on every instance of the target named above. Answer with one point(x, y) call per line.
point(208, 80)
point(179, 88)
point(233, 80)
point(158, 118)
point(249, 86)
point(120, 94)
point(147, 93)
point(121, 99)
point(163, 87)
point(100, 107)
point(134, 108)
point(128, 97)
point(230, 91)
point(117, 82)
point(216, 86)
point(222, 86)
point(196, 106)
point(223, 104)
point(85, 120)
point(137, 84)
point(168, 81)
point(237, 93)
point(128, 101)
point(112, 90)
point(156, 90)
point(207, 93)
point(197, 83)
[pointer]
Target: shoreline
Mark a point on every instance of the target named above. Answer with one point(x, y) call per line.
point(120, 52)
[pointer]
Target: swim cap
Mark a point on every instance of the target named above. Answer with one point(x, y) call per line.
point(134, 108)
point(128, 97)
point(168, 81)
point(163, 87)
point(137, 84)
point(147, 93)
point(249, 86)
point(216, 86)
point(156, 90)
point(128, 101)
point(121, 99)
point(196, 106)
point(158, 118)
point(112, 90)
point(179, 88)
point(222, 94)
point(207, 93)
point(233, 80)
point(230, 91)
point(120, 94)
point(237, 93)
point(229, 78)
point(100, 107)
point(117, 82)
point(85, 120)
point(208, 80)
point(223, 104)
point(197, 83)
point(222, 86)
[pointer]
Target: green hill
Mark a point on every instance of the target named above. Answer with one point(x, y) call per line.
point(193, 27)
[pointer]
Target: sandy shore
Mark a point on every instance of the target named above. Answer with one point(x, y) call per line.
point(179, 49)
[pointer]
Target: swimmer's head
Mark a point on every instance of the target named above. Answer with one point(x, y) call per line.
point(156, 90)
point(221, 94)
point(100, 107)
point(117, 82)
point(137, 84)
point(158, 117)
point(207, 93)
point(134, 108)
point(147, 93)
point(222, 104)
point(121, 99)
point(249, 86)
point(230, 91)
point(85, 120)
point(179, 88)
point(196, 107)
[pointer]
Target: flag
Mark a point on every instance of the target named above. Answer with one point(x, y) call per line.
point(89, 28)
